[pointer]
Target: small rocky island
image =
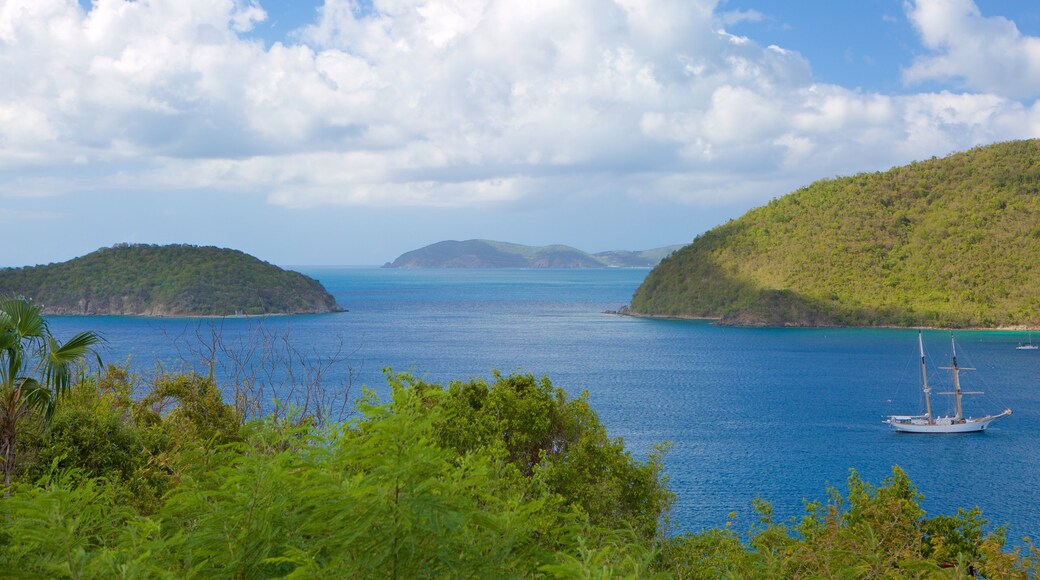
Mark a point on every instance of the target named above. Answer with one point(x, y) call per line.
point(491, 254)
point(170, 280)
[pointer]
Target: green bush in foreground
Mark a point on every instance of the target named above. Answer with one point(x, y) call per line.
point(873, 532)
point(35, 372)
point(382, 496)
point(484, 479)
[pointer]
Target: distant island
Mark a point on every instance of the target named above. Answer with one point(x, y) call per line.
point(171, 280)
point(490, 254)
point(951, 242)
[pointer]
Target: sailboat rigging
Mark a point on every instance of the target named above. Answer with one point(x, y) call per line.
point(929, 423)
point(1028, 345)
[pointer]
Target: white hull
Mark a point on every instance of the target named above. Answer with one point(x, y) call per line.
point(904, 424)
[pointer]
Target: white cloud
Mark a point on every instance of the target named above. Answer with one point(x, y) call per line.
point(981, 53)
point(446, 103)
point(737, 16)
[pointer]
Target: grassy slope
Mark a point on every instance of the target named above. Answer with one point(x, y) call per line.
point(166, 280)
point(945, 242)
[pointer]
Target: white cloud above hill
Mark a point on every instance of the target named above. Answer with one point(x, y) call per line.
point(473, 102)
point(986, 54)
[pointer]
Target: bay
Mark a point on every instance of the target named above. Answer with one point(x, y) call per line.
point(778, 414)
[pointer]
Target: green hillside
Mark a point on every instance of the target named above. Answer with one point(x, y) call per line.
point(951, 242)
point(491, 254)
point(175, 280)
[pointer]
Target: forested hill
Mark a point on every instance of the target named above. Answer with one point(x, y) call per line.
point(491, 254)
point(174, 280)
point(951, 242)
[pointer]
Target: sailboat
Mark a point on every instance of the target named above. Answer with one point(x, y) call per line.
point(929, 423)
point(1028, 345)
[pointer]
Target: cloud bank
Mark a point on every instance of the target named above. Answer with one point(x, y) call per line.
point(474, 102)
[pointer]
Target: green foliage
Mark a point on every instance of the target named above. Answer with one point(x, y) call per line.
point(100, 431)
point(873, 532)
point(552, 441)
point(870, 535)
point(73, 527)
point(89, 432)
point(35, 372)
point(398, 493)
point(379, 497)
point(167, 281)
point(101, 443)
point(947, 242)
point(618, 557)
point(947, 538)
point(191, 407)
point(708, 555)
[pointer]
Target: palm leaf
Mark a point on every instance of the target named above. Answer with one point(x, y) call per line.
point(11, 365)
point(8, 339)
point(60, 358)
point(36, 396)
point(24, 317)
point(76, 347)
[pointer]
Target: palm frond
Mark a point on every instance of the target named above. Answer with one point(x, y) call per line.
point(60, 358)
point(8, 338)
point(12, 362)
point(24, 317)
point(5, 318)
point(36, 396)
point(76, 347)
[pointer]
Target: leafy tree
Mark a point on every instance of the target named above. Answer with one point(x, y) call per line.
point(35, 371)
point(100, 431)
point(553, 441)
point(192, 408)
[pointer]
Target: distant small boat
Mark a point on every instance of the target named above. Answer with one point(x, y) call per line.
point(1028, 345)
point(929, 423)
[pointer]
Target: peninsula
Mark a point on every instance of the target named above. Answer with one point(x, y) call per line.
point(952, 242)
point(490, 254)
point(171, 280)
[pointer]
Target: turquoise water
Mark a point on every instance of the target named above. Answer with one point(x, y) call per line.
point(773, 413)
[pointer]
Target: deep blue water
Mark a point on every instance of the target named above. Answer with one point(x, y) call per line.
point(773, 413)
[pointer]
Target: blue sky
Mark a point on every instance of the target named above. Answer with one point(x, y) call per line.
point(342, 132)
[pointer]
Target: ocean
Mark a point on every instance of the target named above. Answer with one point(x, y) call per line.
point(776, 414)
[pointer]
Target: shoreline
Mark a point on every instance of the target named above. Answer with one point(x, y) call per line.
point(203, 316)
point(717, 320)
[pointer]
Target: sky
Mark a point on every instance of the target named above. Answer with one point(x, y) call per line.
point(347, 132)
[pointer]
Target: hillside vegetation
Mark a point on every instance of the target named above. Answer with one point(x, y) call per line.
point(175, 280)
point(491, 254)
point(951, 242)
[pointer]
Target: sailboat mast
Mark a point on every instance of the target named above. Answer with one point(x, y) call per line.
point(924, 382)
point(956, 380)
